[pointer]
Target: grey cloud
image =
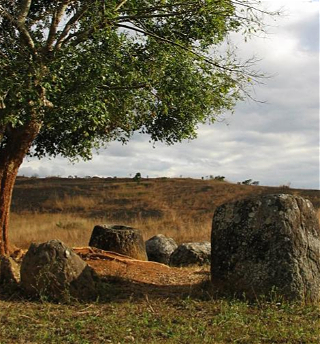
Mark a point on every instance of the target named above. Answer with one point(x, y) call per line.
point(307, 32)
point(28, 171)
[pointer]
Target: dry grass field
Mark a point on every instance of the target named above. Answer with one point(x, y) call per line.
point(131, 312)
point(68, 209)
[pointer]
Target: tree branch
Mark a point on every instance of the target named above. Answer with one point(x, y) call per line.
point(147, 33)
point(20, 27)
point(56, 18)
point(6, 14)
point(24, 10)
point(150, 16)
point(120, 5)
point(250, 6)
point(192, 4)
point(80, 36)
point(129, 87)
point(2, 98)
point(26, 35)
point(163, 7)
point(70, 24)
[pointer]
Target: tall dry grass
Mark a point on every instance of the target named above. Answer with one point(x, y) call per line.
point(69, 209)
point(70, 203)
point(75, 231)
point(37, 227)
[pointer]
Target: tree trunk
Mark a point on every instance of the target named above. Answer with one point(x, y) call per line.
point(17, 143)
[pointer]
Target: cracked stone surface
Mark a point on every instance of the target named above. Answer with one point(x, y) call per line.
point(265, 244)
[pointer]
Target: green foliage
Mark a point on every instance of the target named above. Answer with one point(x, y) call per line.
point(96, 71)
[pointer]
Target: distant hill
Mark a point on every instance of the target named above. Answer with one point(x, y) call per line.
point(96, 197)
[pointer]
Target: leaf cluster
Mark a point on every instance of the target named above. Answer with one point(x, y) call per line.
point(96, 71)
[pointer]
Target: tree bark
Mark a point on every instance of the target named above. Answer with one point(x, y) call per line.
point(14, 149)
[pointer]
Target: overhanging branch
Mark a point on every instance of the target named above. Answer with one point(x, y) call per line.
point(166, 40)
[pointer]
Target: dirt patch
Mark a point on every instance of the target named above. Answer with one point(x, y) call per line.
point(112, 264)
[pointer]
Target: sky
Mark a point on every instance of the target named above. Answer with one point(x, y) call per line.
point(275, 141)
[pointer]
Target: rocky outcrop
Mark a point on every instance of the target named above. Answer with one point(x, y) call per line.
point(54, 271)
point(268, 244)
point(193, 253)
point(159, 248)
point(120, 239)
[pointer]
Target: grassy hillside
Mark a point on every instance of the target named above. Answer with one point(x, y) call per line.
point(68, 209)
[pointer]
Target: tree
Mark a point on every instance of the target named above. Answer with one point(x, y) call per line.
point(137, 177)
point(219, 178)
point(75, 74)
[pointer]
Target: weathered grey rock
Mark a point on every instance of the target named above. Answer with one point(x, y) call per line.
point(9, 271)
point(267, 244)
point(120, 239)
point(159, 248)
point(193, 253)
point(54, 271)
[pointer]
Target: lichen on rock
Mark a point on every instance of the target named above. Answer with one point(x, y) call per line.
point(267, 243)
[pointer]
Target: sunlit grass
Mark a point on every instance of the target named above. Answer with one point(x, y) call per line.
point(75, 230)
point(70, 229)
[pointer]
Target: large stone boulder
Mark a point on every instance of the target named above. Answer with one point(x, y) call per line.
point(159, 248)
point(52, 270)
point(267, 244)
point(193, 253)
point(120, 239)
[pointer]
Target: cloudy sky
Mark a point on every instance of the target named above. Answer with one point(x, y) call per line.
point(275, 143)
